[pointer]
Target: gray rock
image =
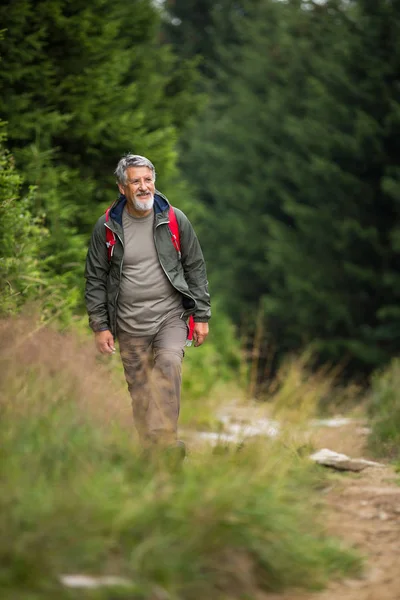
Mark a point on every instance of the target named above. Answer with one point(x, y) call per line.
point(341, 462)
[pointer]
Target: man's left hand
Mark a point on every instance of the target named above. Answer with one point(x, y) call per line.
point(200, 332)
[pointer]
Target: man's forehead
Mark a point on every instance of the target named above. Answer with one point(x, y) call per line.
point(137, 171)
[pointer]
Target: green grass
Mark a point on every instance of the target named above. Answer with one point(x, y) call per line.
point(75, 496)
point(384, 412)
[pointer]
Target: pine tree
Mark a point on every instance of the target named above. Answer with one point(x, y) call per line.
point(188, 26)
point(335, 280)
point(234, 154)
point(296, 158)
point(200, 28)
point(83, 83)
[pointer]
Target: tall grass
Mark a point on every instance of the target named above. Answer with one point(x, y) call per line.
point(384, 411)
point(76, 496)
point(210, 373)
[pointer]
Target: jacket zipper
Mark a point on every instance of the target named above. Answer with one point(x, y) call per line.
point(162, 266)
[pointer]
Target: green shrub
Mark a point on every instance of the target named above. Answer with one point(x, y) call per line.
point(211, 372)
point(26, 271)
point(218, 359)
point(20, 238)
point(384, 411)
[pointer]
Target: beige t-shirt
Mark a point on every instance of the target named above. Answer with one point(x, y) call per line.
point(146, 297)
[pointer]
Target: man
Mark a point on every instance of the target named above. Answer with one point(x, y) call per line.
point(143, 293)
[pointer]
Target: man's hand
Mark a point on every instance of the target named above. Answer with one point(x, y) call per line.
point(200, 332)
point(104, 342)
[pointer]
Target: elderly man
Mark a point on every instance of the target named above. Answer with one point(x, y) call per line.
point(143, 290)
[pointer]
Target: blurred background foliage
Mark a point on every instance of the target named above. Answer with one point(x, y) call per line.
point(273, 124)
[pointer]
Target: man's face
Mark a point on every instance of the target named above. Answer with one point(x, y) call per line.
point(139, 188)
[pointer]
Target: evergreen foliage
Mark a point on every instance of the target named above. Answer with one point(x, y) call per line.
point(200, 28)
point(335, 279)
point(81, 85)
point(20, 238)
point(25, 274)
point(296, 157)
point(188, 25)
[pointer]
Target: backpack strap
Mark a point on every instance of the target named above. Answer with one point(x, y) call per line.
point(110, 237)
point(174, 231)
point(176, 240)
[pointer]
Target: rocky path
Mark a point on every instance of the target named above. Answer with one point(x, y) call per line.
point(364, 511)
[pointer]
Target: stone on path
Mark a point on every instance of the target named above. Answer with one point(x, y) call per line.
point(90, 582)
point(341, 462)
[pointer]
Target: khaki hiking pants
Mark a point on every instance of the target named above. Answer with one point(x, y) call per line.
point(153, 371)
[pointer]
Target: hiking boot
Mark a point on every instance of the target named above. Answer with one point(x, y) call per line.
point(175, 454)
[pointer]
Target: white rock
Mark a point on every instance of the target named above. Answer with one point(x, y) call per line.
point(90, 582)
point(332, 422)
point(383, 516)
point(244, 429)
point(328, 458)
point(236, 433)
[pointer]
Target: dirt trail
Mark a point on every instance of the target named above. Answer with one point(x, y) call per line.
point(364, 511)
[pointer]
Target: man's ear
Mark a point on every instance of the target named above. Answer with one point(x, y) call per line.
point(121, 189)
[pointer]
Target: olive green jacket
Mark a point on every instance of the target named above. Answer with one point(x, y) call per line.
point(185, 270)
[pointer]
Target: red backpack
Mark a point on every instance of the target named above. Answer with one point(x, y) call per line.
point(175, 238)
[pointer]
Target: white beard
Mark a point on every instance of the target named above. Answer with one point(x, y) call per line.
point(145, 204)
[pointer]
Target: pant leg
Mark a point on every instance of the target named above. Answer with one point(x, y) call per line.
point(136, 356)
point(168, 351)
point(153, 371)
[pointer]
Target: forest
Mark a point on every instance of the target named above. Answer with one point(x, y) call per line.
point(274, 125)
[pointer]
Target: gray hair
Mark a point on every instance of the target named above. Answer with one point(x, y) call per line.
point(132, 160)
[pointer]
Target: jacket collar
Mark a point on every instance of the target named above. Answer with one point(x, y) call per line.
point(161, 205)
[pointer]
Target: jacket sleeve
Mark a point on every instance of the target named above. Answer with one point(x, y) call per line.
point(96, 274)
point(194, 267)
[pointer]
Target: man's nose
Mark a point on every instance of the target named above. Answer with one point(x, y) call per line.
point(142, 184)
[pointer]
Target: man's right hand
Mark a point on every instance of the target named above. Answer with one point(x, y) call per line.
point(104, 342)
